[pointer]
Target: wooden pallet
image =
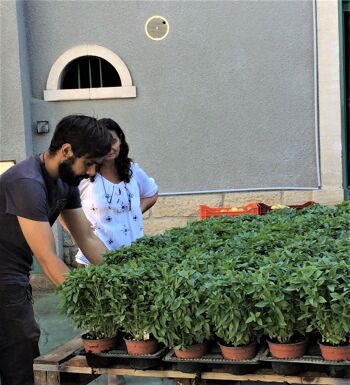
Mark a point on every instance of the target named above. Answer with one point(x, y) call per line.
point(62, 366)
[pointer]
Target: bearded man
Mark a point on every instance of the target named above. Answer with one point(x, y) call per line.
point(33, 194)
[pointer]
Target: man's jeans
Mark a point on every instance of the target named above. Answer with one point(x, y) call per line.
point(19, 335)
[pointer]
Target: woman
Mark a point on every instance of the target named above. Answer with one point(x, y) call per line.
point(115, 199)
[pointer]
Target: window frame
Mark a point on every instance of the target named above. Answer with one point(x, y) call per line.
point(54, 93)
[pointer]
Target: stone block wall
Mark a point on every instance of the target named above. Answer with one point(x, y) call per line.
point(177, 211)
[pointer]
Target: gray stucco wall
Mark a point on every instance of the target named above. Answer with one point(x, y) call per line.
point(16, 129)
point(226, 101)
point(15, 120)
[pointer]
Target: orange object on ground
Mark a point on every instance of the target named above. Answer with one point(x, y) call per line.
point(250, 208)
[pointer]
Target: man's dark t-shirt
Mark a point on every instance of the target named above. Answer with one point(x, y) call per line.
point(26, 190)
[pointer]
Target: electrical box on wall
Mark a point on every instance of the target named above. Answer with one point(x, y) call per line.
point(42, 127)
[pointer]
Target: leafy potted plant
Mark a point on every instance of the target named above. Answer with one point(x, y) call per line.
point(327, 303)
point(281, 315)
point(134, 306)
point(87, 297)
point(232, 315)
point(178, 314)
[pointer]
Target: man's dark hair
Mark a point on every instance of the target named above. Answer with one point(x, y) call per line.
point(122, 162)
point(87, 136)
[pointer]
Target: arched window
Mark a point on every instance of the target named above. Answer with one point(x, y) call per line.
point(89, 72)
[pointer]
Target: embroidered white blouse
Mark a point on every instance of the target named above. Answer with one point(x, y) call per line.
point(114, 208)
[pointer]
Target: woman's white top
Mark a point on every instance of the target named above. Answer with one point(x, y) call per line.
point(114, 208)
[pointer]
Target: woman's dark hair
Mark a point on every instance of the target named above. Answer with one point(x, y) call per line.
point(87, 136)
point(122, 162)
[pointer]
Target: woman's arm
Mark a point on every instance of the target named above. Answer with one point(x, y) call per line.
point(148, 202)
point(82, 232)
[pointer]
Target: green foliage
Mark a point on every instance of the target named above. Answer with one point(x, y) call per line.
point(326, 297)
point(88, 296)
point(236, 277)
point(178, 314)
point(136, 291)
point(277, 301)
point(230, 309)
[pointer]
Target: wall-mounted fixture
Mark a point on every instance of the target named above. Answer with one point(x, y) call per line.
point(5, 165)
point(42, 127)
point(157, 27)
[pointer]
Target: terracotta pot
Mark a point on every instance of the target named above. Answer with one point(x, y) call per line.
point(99, 346)
point(288, 350)
point(335, 353)
point(141, 347)
point(238, 353)
point(194, 351)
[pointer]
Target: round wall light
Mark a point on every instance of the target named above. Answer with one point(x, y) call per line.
point(157, 27)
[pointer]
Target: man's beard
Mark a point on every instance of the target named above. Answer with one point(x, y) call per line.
point(66, 173)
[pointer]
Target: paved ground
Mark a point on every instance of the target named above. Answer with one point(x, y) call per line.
point(57, 329)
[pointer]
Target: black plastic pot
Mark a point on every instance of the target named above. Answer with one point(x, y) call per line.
point(98, 361)
point(143, 364)
point(338, 371)
point(309, 362)
point(347, 372)
point(121, 357)
point(213, 360)
point(237, 369)
point(287, 368)
point(191, 367)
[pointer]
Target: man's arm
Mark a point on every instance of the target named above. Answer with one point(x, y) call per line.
point(41, 241)
point(81, 230)
point(147, 203)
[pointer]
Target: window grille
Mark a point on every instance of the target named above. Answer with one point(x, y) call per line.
point(89, 72)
